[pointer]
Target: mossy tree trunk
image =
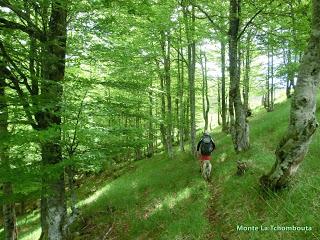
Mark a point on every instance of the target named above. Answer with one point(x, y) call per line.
point(53, 196)
point(293, 148)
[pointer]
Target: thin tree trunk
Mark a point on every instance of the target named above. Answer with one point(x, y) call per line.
point(180, 92)
point(163, 112)
point(294, 146)
point(151, 130)
point(138, 151)
point(205, 97)
point(219, 101)
point(238, 122)
point(246, 79)
point(272, 83)
point(9, 215)
point(190, 23)
point(166, 57)
point(223, 88)
point(187, 119)
point(290, 79)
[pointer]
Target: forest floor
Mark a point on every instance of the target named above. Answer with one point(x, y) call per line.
point(161, 198)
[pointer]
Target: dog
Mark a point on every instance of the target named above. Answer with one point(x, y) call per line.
point(206, 170)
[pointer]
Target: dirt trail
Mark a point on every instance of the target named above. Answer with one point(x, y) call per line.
point(213, 215)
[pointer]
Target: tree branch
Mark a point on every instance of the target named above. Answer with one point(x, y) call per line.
point(251, 20)
point(17, 26)
point(20, 92)
point(248, 23)
point(209, 18)
point(22, 75)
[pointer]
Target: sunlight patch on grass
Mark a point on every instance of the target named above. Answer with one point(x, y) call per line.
point(29, 219)
point(32, 235)
point(134, 184)
point(96, 195)
point(169, 201)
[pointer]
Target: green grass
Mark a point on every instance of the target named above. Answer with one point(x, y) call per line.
point(159, 198)
point(242, 202)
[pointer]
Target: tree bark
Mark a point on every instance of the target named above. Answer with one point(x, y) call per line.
point(190, 28)
point(163, 130)
point(9, 215)
point(205, 97)
point(151, 130)
point(290, 78)
point(223, 88)
point(246, 79)
point(238, 123)
point(294, 146)
point(166, 57)
point(181, 91)
point(272, 82)
point(219, 101)
point(53, 197)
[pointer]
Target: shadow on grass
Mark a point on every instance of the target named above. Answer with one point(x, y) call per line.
point(163, 199)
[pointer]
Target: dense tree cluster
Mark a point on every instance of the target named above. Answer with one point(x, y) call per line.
point(90, 85)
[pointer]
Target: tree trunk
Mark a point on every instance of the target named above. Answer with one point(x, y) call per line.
point(246, 79)
point(238, 122)
point(166, 57)
point(272, 83)
point(223, 88)
point(187, 119)
point(294, 146)
point(269, 85)
point(290, 78)
point(53, 198)
point(219, 101)
point(9, 215)
point(180, 92)
point(205, 97)
point(151, 130)
point(190, 28)
point(163, 113)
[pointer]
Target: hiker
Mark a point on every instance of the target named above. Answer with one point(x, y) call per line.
point(206, 147)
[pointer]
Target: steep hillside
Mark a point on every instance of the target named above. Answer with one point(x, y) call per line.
point(160, 198)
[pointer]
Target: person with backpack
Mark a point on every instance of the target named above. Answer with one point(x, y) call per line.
point(206, 146)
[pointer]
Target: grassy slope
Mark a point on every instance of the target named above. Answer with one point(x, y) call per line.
point(242, 203)
point(167, 199)
point(159, 199)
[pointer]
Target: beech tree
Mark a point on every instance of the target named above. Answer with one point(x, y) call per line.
point(238, 121)
point(48, 114)
point(9, 216)
point(293, 147)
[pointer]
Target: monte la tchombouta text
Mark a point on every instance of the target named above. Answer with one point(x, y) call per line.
point(254, 228)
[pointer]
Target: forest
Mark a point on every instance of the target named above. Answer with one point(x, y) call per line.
point(103, 104)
